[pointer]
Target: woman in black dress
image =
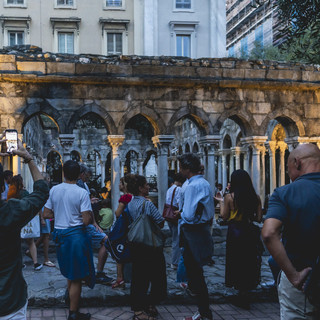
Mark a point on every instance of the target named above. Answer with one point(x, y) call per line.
point(240, 208)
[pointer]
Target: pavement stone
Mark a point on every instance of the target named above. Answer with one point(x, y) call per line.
point(46, 287)
point(258, 311)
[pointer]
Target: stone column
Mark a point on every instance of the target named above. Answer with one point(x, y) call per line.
point(115, 142)
point(282, 146)
point(140, 166)
point(224, 169)
point(103, 172)
point(211, 143)
point(66, 142)
point(257, 143)
point(271, 145)
point(122, 163)
point(263, 174)
point(219, 169)
point(237, 153)
point(231, 163)
point(162, 142)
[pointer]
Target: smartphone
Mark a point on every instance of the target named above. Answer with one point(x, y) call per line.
point(11, 136)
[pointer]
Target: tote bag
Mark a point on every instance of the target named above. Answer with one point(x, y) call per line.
point(144, 231)
point(31, 229)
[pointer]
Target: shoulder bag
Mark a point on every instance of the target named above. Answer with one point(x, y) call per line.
point(169, 209)
point(144, 231)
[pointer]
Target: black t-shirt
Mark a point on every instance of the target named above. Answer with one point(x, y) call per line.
point(297, 205)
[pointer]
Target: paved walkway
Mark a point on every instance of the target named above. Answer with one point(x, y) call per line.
point(258, 311)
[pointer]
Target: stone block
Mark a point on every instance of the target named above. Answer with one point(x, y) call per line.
point(292, 75)
point(148, 70)
point(119, 69)
point(35, 67)
point(7, 67)
point(312, 110)
point(310, 76)
point(8, 58)
point(7, 121)
point(60, 68)
point(209, 72)
point(253, 95)
point(227, 63)
point(91, 68)
point(259, 107)
point(255, 74)
point(180, 72)
point(233, 73)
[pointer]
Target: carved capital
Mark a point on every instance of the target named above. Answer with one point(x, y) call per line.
point(211, 142)
point(66, 141)
point(271, 146)
point(162, 142)
point(256, 142)
point(282, 146)
point(115, 142)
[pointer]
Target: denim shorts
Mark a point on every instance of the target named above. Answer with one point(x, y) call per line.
point(46, 227)
point(95, 235)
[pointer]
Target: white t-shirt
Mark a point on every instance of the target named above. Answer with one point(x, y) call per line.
point(176, 199)
point(68, 201)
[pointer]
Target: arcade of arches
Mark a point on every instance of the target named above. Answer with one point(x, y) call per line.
point(137, 114)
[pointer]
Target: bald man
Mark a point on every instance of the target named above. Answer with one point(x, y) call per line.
point(294, 216)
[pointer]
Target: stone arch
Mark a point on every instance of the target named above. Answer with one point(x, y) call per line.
point(133, 148)
point(187, 147)
point(196, 114)
point(241, 118)
point(74, 153)
point(226, 142)
point(92, 108)
point(42, 107)
point(195, 148)
point(290, 121)
point(151, 115)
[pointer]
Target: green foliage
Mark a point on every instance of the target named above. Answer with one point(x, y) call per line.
point(301, 19)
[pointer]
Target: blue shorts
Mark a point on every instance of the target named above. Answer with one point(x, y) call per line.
point(46, 227)
point(96, 236)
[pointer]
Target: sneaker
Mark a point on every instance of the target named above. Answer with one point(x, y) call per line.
point(102, 278)
point(79, 316)
point(196, 316)
point(38, 266)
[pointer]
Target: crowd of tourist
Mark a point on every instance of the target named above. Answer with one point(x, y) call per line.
point(83, 221)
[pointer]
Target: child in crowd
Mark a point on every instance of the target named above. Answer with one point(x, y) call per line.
point(106, 215)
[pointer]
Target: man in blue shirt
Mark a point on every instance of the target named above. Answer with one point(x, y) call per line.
point(294, 210)
point(196, 218)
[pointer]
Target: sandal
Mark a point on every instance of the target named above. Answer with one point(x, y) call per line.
point(119, 284)
point(49, 264)
point(142, 316)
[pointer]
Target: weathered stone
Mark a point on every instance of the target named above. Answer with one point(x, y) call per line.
point(254, 74)
point(31, 67)
point(7, 58)
point(86, 69)
point(209, 72)
point(7, 67)
point(60, 68)
point(284, 75)
point(312, 110)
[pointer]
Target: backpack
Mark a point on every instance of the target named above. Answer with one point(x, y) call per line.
point(117, 241)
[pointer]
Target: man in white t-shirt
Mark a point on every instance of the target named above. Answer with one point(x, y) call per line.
point(71, 208)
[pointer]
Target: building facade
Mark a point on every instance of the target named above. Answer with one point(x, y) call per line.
point(187, 28)
point(250, 22)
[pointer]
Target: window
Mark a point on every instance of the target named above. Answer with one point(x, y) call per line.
point(65, 2)
point(15, 2)
point(231, 52)
point(113, 3)
point(66, 42)
point(183, 4)
point(259, 35)
point(183, 45)
point(15, 38)
point(244, 46)
point(114, 43)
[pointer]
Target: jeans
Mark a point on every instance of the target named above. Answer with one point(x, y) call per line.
point(175, 256)
point(181, 271)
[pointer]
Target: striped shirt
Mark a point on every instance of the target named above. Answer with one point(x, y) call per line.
point(135, 209)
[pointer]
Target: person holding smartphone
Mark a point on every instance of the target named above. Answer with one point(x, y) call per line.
point(14, 214)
